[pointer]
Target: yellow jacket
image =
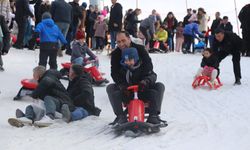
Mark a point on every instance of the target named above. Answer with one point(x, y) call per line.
point(161, 35)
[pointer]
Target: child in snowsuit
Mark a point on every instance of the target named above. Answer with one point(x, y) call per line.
point(49, 36)
point(209, 65)
point(100, 28)
point(79, 51)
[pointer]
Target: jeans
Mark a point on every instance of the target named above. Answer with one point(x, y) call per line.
point(64, 27)
point(21, 23)
point(113, 39)
point(79, 113)
point(52, 105)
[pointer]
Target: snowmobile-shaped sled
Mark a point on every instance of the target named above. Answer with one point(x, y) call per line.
point(95, 74)
point(203, 80)
point(28, 85)
point(136, 124)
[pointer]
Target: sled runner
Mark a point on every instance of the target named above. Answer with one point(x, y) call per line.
point(28, 85)
point(205, 80)
point(21, 123)
point(95, 74)
point(136, 117)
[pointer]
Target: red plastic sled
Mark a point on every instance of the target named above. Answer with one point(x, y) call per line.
point(28, 84)
point(202, 80)
point(136, 117)
point(93, 71)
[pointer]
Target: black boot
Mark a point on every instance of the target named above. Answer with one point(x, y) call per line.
point(121, 119)
point(237, 82)
point(154, 119)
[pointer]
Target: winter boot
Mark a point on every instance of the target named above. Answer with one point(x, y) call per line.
point(19, 113)
point(66, 114)
point(119, 120)
point(1, 68)
point(154, 119)
point(237, 82)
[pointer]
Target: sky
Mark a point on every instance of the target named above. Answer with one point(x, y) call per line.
point(178, 7)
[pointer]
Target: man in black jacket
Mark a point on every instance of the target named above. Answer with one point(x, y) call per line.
point(216, 23)
point(115, 21)
point(21, 16)
point(226, 25)
point(4, 40)
point(226, 43)
point(245, 25)
point(132, 21)
point(61, 13)
point(81, 91)
point(51, 91)
point(185, 19)
point(144, 76)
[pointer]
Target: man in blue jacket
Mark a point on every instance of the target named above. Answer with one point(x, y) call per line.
point(49, 36)
point(190, 31)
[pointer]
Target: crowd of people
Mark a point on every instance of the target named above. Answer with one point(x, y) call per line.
point(78, 29)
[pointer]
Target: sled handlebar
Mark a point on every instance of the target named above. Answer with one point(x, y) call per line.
point(133, 88)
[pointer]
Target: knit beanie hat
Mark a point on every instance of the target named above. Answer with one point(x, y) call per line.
point(130, 53)
point(80, 35)
point(46, 15)
point(78, 69)
point(84, 5)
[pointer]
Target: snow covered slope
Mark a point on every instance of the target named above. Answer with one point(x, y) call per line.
point(198, 119)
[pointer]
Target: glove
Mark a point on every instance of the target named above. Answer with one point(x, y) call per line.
point(143, 85)
point(124, 90)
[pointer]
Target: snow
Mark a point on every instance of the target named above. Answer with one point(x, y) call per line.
point(198, 119)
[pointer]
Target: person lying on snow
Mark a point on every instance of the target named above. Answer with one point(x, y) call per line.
point(131, 65)
point(54, 95)
point(209, 65)
point(80, 50)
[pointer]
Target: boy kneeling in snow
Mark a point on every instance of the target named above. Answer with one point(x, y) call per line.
point(209, 65)
point(80, 50)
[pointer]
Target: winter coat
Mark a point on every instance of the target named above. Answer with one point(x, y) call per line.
point(215, 25)
point(145, 71)
point(132, 21)
point(100, 29)
point(49, 32)
point(49, 85)
point(179, 32)
point(79, 50)
point(212, 61)
point(231, 43)
point(115, 17)
point(92, 16)
point(203, 23)
point(244, 18)
point(192, 29)
point(5, 10)
point(149, 23)
point(61, 11)
point(171, 24)
point(77, 13)
point(226, 27)
point(4, 36)
point(185, 19)
point(161, 36)
point(22, 10)
point(81, 92)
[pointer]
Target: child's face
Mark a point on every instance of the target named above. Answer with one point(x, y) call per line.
point(130, 62)
point(206, 54)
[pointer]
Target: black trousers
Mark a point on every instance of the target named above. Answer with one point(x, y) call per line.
point(99, 42)
point(132, 32)
point(48, 53)
point(21, 23)
point(188, 41)
point(153, 95)
point(236, 61)
point(246, 38)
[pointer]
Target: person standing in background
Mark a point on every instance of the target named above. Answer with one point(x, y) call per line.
point(4, 40)
point(21, 16)
point(115, 21)
point(216, 23)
